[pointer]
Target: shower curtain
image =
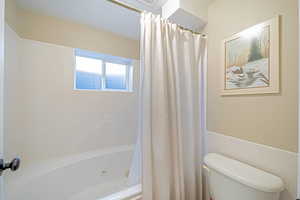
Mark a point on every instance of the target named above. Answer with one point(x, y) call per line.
point(172, 110)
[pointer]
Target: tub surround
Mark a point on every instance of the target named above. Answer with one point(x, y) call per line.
point(54, 120)
point(61, 130)
point(86, 120)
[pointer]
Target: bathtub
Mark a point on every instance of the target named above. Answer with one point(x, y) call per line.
point(92, 175)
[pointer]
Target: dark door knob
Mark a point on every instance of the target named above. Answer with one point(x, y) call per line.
point(13, 165)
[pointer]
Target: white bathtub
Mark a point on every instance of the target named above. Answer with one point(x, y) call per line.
point(88, 176)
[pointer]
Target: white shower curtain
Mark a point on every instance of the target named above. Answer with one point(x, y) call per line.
point(172, 110)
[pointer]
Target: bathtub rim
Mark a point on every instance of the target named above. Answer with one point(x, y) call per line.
point(42, 168)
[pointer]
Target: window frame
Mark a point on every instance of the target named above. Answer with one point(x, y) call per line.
point(128, 63)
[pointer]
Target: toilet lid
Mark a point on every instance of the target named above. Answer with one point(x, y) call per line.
point(243, 173)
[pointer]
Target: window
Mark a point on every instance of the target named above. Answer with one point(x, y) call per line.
point(102, 72)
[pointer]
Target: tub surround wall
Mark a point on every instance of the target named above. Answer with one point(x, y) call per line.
point(276, 161)
point(46, 118)
point(40, 97)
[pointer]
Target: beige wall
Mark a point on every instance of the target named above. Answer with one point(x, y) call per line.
point(35, 26)
point(57, 31)
point(11, 14)
point(264, 119)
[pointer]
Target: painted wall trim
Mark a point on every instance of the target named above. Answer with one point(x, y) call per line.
point(253, 143)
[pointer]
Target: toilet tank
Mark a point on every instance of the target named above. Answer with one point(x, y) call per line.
point(230, 179)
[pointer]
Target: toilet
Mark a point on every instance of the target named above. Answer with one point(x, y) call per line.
point(230, 179)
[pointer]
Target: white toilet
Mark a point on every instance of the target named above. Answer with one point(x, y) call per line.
point(230, 179)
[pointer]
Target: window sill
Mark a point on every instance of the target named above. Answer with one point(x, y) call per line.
point(104, 91)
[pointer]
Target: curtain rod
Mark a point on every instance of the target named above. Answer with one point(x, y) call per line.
point(139, 11)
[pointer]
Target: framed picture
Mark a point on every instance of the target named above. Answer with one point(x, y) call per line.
point(251, 60)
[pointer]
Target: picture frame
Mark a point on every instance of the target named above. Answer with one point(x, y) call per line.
point(251, 60)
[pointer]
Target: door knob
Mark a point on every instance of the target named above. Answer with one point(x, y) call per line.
point(13, 165)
